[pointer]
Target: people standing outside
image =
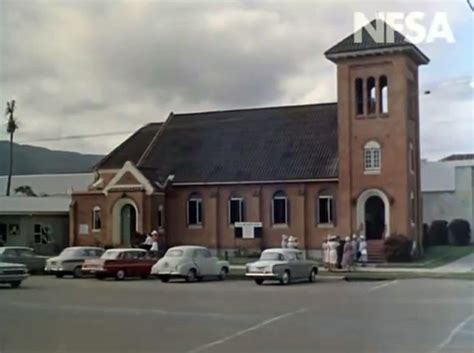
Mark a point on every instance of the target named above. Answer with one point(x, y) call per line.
point(363, 250)
point(292, 242)
point(355, 248)
point(325, 254)
point(154, 246)
point(284, 241)
point(348, 254)
point(333, 245)
point(148, 242)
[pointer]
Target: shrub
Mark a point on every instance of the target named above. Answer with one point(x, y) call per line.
point(426, 237)
point(459, 232)
point(397, 248)
point(438, 233)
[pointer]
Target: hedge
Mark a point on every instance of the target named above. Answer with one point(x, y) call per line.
point(438, 233)
point(459, 232)
point(397, 248)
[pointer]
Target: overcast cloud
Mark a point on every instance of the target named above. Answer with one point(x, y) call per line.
point(86, 67)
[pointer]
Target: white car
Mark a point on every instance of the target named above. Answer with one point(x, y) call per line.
point(70, 261)
point(191, 263)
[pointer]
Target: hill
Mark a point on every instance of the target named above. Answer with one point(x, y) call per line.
point(38, 160)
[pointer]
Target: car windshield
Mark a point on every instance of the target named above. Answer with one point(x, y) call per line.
point(69, 252)
point(110, 255)
point(174, 253)
point(273, 256)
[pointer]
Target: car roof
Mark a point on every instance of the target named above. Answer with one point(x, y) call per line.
point(15, 247)
point(187, 247)
point(126, 249)
point(84, 247)
point(281, 250)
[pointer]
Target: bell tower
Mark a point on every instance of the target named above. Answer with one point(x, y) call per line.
point(378, 133)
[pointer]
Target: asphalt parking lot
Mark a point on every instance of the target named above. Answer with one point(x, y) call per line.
point(65, 315)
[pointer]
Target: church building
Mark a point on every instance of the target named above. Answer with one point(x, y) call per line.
point(340, 168)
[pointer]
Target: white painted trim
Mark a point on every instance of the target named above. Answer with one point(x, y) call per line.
point(116, 219)
point(256, 182)
point(94, 209)
point(360, 209)
point(130, 168)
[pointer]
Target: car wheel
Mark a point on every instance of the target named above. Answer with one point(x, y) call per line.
point(312, 275)
point(223, 273)
point(191, 276)
point(15, 284)
point(285, 278)
point(120, 275)
point(165, 279)
point(59, 275)
point(259, 281)
point(77, 273)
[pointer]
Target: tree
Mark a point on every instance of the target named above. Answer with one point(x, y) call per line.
point(12, 127)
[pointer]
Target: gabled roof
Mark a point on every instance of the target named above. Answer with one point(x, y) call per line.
point(262, 144)
point(131, 149)
point(367, 45)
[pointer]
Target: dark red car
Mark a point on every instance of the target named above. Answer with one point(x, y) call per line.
point(120, 263)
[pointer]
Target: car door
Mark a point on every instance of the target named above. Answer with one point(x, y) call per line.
point(305, 266)
point(203, 260)
point(295, 269)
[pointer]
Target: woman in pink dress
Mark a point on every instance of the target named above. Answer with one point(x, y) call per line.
point(348, 254)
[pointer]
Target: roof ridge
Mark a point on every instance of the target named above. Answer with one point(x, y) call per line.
point(152, 142)
point(257, 108)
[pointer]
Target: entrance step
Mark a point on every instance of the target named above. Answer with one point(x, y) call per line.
point(375, 251)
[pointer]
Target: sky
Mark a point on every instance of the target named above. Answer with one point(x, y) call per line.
point(108, 67)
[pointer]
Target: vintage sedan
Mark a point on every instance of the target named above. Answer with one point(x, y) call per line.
point(120, 263)
point(284, 265)
point(191, 263)
point(70, 261)
point(23, 255)
point(13, 274)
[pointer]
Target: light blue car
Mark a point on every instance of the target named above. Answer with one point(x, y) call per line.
point(190, 263)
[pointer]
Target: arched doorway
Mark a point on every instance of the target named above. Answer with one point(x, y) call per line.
point(125, 221)
point(373, 214)
point(374, 218)
point(128, 224)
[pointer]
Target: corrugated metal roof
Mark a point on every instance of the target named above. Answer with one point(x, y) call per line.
point(49, 184)
point(34, 205)
point(276, 143)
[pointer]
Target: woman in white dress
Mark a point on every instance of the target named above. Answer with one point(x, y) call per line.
point(363, 250)
point(324, 247)
point(333, 245)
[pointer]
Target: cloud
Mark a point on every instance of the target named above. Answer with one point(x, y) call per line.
point(91, 66)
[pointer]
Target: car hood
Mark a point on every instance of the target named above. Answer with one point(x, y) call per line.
point(10, 265)
point(264, 263)
point(94, 262)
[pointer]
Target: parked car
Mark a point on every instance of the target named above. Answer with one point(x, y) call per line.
point(120, 263)
point(70, 261)
point(13, 274)
point(191, 263)
point(284, 265)
point(23, 255)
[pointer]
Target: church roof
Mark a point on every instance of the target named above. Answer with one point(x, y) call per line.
point(246, 145)
point(362, 42)
point(131, 149)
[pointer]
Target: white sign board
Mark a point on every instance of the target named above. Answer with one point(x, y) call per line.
point(248, 228)
point(83, 229)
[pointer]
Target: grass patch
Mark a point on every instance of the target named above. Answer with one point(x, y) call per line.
point(436, 256)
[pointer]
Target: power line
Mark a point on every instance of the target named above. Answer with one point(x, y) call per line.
point(77, 137)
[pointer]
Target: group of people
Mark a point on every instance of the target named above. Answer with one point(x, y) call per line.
point(343, 254)
point(289, 242)
point(151, 243)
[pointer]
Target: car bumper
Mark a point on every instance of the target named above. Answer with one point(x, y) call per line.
point(262, 275)
point(12, 278)
point(168, 274)
point(94, 270)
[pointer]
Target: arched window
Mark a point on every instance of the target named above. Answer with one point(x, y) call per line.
point(383, 94)
point(359, 96)
point(161, 217)
point(194, 209)
point(371, 97)
point(411, 158)
point(372, 156)
point(96, 218)
point(325, 208)
point(280, 208)
point(236, 210)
